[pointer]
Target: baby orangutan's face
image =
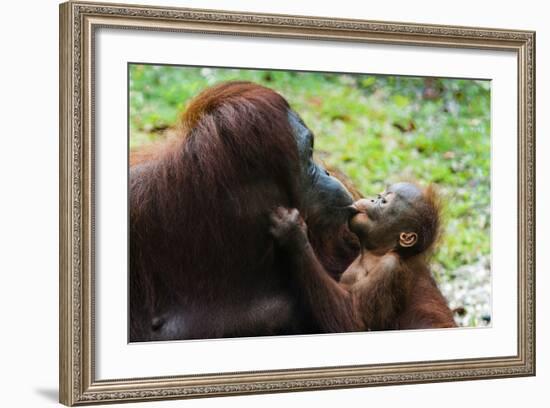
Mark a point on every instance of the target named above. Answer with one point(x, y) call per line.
point(381, 222)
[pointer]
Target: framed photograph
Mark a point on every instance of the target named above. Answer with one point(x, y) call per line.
point(256, 203)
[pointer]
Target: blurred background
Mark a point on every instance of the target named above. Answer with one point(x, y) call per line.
point(377, 130)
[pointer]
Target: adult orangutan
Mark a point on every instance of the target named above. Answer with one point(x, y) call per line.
point(202, 261)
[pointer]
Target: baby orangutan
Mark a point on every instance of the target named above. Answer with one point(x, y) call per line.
point(389, 285)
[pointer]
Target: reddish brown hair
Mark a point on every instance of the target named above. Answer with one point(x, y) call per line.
point(198, 201)
point(429, 218)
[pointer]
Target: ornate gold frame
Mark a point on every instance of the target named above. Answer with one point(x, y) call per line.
point(77, 24)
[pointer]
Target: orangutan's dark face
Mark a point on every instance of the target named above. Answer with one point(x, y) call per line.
point(323, 193)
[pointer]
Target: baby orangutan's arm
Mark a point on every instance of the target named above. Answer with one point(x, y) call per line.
point(379, 297)
point(330, 304)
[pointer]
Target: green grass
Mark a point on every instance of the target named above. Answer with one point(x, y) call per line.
point(376, 129)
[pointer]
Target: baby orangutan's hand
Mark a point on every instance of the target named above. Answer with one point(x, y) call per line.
point(288, 227)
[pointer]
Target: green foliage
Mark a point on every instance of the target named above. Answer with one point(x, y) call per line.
point(376, 129)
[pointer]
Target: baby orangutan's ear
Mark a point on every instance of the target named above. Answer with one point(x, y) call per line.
point(407, 239)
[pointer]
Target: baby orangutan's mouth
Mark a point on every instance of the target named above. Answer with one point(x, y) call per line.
point(357, 218)
point(352, 210)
